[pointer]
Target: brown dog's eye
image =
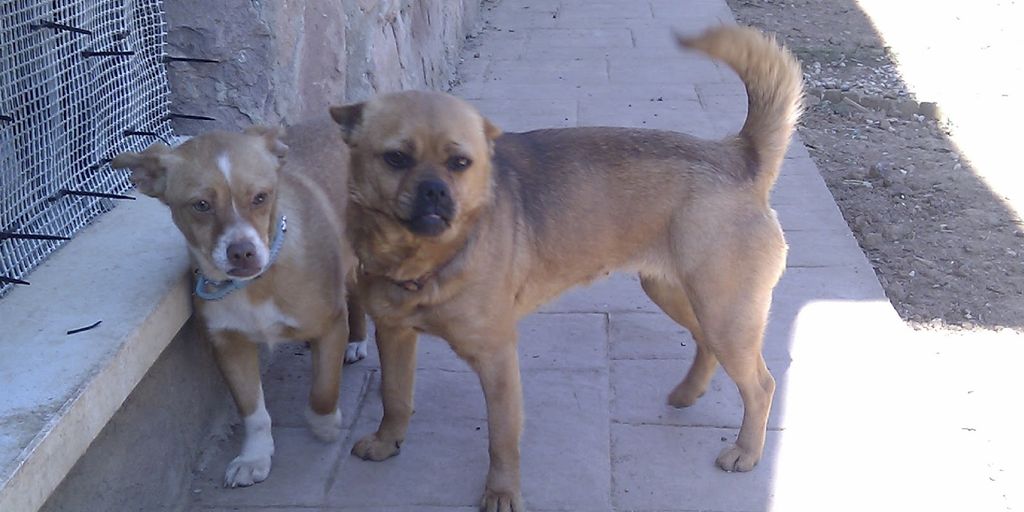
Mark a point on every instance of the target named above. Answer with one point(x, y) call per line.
point(459, 163)
point(259, 199)
point(398, 160)
point(201, 205)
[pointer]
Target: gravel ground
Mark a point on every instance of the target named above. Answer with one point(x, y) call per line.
point(946, 250)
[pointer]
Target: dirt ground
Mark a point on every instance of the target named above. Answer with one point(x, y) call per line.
point(946, 250)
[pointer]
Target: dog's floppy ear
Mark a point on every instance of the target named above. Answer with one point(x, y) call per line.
point(349, 117)
point(149, 168)
point(271, 136)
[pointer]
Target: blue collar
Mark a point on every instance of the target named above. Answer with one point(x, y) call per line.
point(217, 290)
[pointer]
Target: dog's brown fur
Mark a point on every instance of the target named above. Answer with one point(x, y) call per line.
point(539, 212)
point(301, 296)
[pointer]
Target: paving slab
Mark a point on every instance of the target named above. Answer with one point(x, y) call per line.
point(563, 341)
point(539, 113)
point(658, 467)
point(566, 433)
point(440, 467)
point(696, 13)
point(667, 72)
point(669, 114)
point(619, 292)
point(526, 93)
point(648, 335)
point(297, 456)
point(547, 340)
point(641, 388)
point(568, 73)
point(644, 336)
point(831, 248)
point(796, 186)
point(286, 387)
point(579, 13)
point(540, 39)
point(535, 15)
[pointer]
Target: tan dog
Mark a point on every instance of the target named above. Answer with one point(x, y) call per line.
point(268, 242)
point(461, 231)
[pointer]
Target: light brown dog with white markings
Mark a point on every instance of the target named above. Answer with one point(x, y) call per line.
point(266, 233)
point(461, 230)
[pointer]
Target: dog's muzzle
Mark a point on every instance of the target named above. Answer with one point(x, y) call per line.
point(433, 208)
point(244, 259)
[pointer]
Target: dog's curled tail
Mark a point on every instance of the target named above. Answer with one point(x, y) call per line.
point(774, 84)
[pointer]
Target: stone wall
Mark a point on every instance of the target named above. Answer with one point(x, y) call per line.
point(282, 60)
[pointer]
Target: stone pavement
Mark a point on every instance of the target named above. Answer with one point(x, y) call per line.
point(857, 421)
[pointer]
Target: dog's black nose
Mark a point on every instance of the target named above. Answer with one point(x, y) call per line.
point(433, 191)
point(241, 254)
point(433, 209)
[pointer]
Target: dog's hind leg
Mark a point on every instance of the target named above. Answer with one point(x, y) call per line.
point(745, 365)
point(672, 299)
point(356, 350)
point(730, 301)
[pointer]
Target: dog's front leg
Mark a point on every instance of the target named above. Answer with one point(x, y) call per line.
point(397, 349)
point(239, 361)
point(497, 366)
point(323, 414)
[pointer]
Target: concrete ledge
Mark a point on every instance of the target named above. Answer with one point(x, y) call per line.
point(128, 270)
point(142, 460)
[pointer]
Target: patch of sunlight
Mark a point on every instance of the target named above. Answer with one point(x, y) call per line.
point(877, 416)
point(965, 56)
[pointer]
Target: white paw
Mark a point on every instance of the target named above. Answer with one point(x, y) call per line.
point(253, 464)
point(326, 427)
point(243, 472)
point(356, 351)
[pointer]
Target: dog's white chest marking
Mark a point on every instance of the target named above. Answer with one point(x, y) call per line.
point(235, 312)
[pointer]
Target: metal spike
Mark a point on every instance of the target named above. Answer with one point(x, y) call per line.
point(60, 26)
point(169, 58)
point(90, 53)
point(173, 115)
point(68, 192)
point(5, 235)
point(11, 280)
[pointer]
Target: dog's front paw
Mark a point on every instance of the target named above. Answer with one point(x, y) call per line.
point(494, 501)
point(734, 458)
point(372, 447)
point(243, 471)
point(356, 351)
point(325, 427)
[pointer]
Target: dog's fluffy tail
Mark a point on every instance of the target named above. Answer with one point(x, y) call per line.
point(774, 85)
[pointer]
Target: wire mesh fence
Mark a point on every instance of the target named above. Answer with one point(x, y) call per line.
point(80, 81)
